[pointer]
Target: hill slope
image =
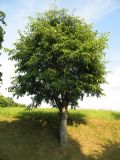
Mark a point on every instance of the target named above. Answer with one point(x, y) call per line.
point(33, 135)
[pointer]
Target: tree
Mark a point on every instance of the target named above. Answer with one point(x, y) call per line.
point(2, 17)
point(59, 60)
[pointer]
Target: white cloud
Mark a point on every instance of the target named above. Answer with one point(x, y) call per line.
point(7, 69)
point(96, 9)
point(111, 100)
point(114, 78)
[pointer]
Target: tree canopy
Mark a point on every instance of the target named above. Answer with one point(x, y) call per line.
point(2, 17)
point(59, 59)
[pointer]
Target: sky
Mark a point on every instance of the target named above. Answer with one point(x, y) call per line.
point(105, 15)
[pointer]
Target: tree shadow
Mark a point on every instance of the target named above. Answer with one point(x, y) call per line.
point(51, 120)
point(116, 115)
point(76, 118)
point(26, 139)
point(32, 136)
point(110, 151)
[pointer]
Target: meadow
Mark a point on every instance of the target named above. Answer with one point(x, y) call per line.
point(34, 135)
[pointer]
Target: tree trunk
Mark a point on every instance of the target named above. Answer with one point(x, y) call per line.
point(63, 128)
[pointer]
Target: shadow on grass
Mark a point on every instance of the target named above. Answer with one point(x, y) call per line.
point(26, 139)
point(33, 137)
point(116, 115)
point(52, 118)
point(111, 151)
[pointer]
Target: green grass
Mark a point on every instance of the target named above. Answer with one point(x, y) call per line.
point(34, 135)
point(99, 114)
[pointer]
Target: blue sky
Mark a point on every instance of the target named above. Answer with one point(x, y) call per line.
point(106, 18)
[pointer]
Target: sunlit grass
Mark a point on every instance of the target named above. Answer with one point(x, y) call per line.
point(99, 114)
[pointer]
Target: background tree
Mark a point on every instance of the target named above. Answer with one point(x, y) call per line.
point(59, 60)
point(2, 17)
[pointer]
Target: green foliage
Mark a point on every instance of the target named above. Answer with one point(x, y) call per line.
point(7, 101)
point(59, 59)
point(2, 16)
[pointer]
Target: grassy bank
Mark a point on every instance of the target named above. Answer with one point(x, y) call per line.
point(33, 135)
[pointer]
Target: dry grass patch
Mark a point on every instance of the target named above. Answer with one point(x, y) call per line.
point(96, 136)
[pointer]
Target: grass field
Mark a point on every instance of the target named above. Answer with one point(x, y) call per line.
point(34, 135)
